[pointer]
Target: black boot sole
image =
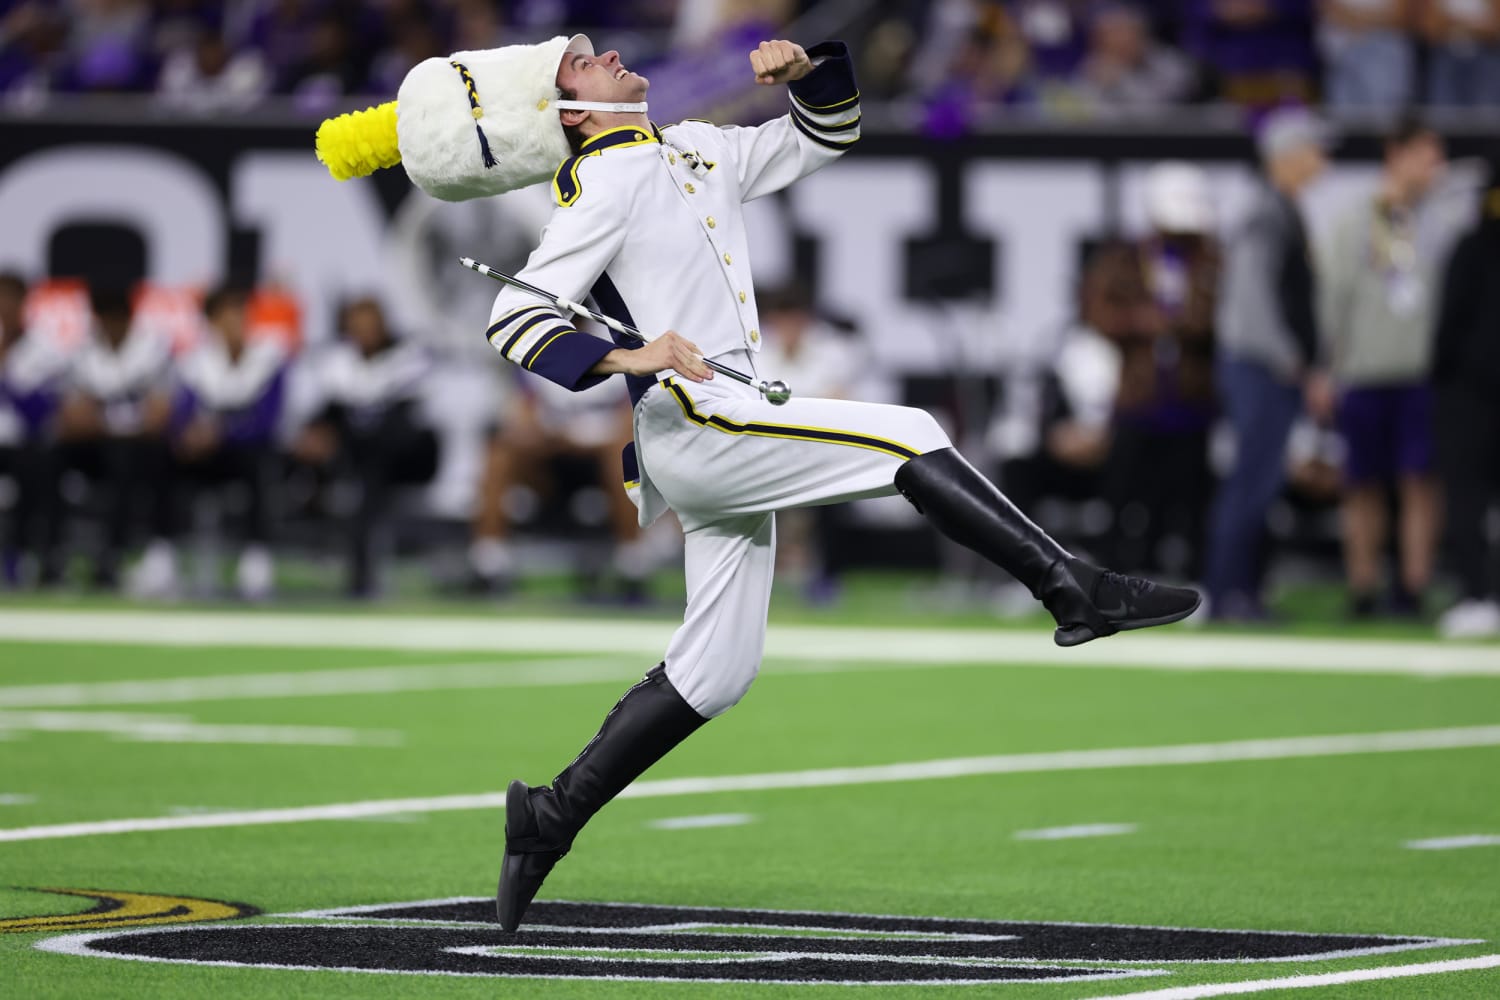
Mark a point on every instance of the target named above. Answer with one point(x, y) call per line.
point(1077, 635)
point(521, 873)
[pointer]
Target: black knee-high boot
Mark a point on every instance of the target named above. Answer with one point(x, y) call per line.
point(1086, 601)
point(540, 823)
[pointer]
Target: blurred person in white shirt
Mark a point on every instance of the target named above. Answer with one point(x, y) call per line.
point(32, 366)
point(113, 422)
point(370, 422)
point(207, 76)
point(226, 402)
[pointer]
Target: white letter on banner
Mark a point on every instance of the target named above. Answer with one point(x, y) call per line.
point(166, 199)
point(322, 239)
point(1039, 212)
point(863, 213)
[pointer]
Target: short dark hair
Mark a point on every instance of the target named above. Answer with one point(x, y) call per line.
point(1409, 127)
point(12, 282)
point(573, 133)
point(110, 300)
point(224, 295)
point(360, 302)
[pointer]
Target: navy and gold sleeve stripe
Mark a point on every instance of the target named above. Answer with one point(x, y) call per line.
point(507, 331)
point(825, 102)
point(538, 338)
point(565, 357)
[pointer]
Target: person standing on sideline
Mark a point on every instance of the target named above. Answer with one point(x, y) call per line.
point(1267, 343)
point(1153, 298)
point(1466, 375)
point(1377, 301)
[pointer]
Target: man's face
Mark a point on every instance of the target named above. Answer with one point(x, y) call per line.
point(600, 78)
point(1120, 37)
point(229, 320)
point(115, 326)
point(1419, 163)
point(364, 325)
point(1301, 165)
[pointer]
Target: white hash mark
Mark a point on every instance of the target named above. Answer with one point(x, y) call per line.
point(1072, 832)
point(1451, 843)
point(700, 822)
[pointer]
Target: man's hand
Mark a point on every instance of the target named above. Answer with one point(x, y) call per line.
point(779, 62)
point(670, 350)
point(200, 437)
point(316, 444)
point(1319, 396)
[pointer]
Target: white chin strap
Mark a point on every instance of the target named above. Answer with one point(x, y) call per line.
point(637, 107)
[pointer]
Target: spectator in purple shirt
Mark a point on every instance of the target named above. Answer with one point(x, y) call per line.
point(32, 47)
point(225, 407)
point(109, 46)
point(1260, 50)
point(1056, 32)
point(990, 67)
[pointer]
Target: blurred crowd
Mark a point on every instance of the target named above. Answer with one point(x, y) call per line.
point(1211, 385)
point(960, 60)
point(138, 422)
point(1215, 378)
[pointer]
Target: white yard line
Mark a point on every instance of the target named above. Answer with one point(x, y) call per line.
point(1312, 982)
point(701, 822)
point(1022, 763)
point(1453, 843)
point(843, 644)
point(314, 683)
point(1076, 832)
point(181, 729)
point(16, 799)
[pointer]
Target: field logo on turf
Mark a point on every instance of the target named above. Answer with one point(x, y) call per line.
point(633, 941)
point(126, 909)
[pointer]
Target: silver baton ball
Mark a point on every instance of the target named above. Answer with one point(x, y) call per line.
point(775, 391)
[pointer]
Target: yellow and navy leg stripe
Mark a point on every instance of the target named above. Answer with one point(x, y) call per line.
point(793, 432)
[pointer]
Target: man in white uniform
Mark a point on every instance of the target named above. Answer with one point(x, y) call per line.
point(648, 221)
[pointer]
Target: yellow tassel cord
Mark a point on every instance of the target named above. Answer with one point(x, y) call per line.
point(360, 142)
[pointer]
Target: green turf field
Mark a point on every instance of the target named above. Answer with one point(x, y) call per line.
point(291, 763)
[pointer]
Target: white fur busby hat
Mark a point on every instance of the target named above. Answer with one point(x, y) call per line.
point(468, 126)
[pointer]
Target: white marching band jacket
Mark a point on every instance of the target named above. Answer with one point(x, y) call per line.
point(649, 222)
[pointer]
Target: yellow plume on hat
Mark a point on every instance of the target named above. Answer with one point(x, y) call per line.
point(360, 142)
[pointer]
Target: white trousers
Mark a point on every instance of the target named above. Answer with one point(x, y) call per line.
point(726, 460)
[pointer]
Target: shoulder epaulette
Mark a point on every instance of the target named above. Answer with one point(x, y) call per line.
point(566, 187)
